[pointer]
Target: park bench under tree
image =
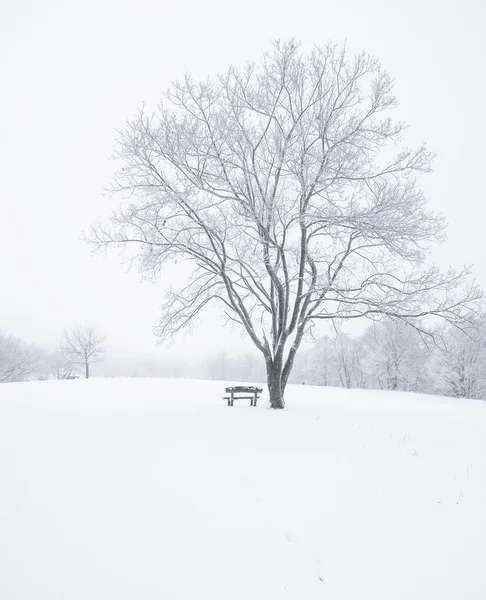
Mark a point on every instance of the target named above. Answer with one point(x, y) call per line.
point(242, 392)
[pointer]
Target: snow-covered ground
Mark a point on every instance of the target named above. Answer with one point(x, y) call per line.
point(131, 489)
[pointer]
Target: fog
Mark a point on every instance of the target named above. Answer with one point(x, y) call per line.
point(72, 74)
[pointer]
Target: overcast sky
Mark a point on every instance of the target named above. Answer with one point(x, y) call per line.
point(71, 73)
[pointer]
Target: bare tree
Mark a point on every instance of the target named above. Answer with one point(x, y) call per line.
point(459, 365)
point(83, 346)
point(395, 357)
point(287, 186)
point(18, 360)
point(319, 368)
point(334, 362)
point(347, 360)
point(247, 363)
point(60, 366)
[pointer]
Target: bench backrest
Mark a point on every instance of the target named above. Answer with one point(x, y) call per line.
point(242, 388)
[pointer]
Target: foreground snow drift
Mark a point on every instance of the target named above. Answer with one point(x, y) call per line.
point(155, 489)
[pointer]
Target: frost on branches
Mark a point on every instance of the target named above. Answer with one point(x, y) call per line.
point(395, 356)
point(287, 186)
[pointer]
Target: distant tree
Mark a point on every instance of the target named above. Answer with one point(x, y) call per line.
point(216, 366)
point(394, 357)
point(319, 367)
point(18, 360)
point(177, 368)
point(60, 366)
point(346, 351)
point(459, 365)
point(288, 188)
point(334, 362)
point(83, 346)
point(247, 363)
point(249, 368)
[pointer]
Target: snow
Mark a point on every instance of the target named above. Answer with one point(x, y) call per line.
point(152, 489)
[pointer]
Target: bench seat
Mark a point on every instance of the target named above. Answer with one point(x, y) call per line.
point(242, 392)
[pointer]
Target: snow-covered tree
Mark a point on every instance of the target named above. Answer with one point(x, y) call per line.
point(59, 366)
point(287, 187)
point(319, 365)
point(347, 361)
point(83, 346)
point(459, 364)
point(250, 368)
point(334, 361)
point(18, 360)
point(216, 366)
point(395, 357)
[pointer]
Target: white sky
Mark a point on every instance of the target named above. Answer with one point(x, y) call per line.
point(70, 73)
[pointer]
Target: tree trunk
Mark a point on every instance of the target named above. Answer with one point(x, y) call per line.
point(87, 370)
point(276, 387)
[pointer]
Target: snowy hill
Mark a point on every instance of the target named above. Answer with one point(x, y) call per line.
point(155, 489)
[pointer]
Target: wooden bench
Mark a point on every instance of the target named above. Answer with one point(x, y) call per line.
point(242, 392)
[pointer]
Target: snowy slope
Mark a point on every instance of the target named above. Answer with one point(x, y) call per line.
point(155, 489)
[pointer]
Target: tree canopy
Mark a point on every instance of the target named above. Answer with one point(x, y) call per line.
point(287, 185)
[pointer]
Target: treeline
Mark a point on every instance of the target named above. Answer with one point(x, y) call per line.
point(78, 350)
point(81, 352)
point(395, 356)
point(18, 360)
point(388, 356)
